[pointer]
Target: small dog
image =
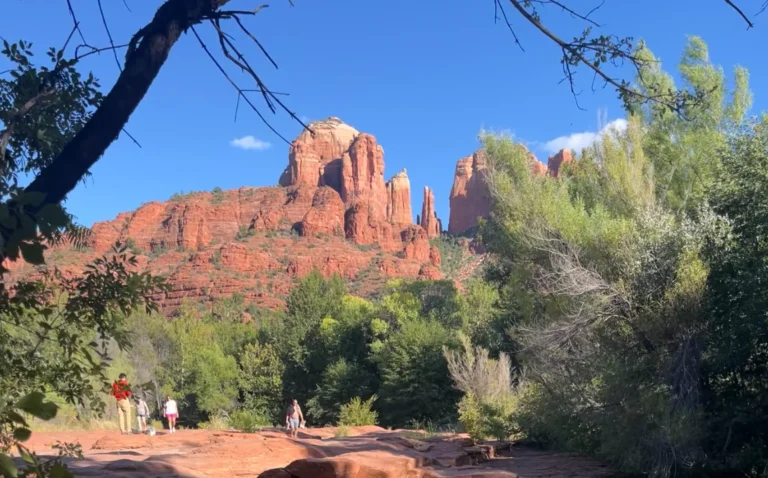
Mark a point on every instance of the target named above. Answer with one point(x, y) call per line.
point(151, 431)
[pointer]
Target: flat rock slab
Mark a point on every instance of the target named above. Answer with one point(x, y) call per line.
point(368, 452)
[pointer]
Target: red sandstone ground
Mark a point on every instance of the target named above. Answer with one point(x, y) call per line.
point(369, 452)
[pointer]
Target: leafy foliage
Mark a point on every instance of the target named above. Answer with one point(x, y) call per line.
point(358, 413)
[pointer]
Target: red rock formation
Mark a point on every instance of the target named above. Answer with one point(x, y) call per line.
point(555, 162)
point(429, 219)
point(470, 198)
point(434, 256)
point(362, 227)
point(416, 243)
point(362, 174)
point(326, 216)
point(210, 245)
point(399, 199)
point(315, 156)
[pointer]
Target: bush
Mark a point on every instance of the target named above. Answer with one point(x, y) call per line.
point(483, 420)
point(249, 421)
point(216, 422)
point(358, 413)
point(341, 432)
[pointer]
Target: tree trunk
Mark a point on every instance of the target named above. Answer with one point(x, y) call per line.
point(142, 65)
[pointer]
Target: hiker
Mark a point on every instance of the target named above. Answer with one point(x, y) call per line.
point(171, 412)
point(293, 417)
point(142, 412)
point(122, 392)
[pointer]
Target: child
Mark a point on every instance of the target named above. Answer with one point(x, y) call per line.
point(171, 412)
point(142, 412)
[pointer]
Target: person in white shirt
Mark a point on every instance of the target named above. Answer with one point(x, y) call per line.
point(171, 412)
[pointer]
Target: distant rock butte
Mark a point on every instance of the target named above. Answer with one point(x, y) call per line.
point(333, 211)
point(555, 162)
point(470, 198)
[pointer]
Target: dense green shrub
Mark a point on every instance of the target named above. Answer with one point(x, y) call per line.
point(248, 421)
point(358, 413)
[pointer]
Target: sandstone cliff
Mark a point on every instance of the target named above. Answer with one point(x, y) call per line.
point(470, 198)
point(555, 162)
point(333, 212)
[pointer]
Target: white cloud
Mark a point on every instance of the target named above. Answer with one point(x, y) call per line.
point(579, 141)
point(249, 142)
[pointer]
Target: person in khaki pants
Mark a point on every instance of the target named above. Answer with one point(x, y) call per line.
point(122, 393)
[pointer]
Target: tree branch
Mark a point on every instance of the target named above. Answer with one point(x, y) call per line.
point(741, 13)
point(142, 65)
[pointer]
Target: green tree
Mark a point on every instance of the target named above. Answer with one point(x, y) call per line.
point(341, 382)
point(737, 376)
point(415, 384)
point(310, 301)
point(260, 379)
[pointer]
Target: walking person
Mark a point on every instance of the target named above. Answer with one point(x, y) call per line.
point(171, 412)
point(121, 390)
point(142, 412)
point(293, 417)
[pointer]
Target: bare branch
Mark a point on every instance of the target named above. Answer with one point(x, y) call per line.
point(576, 55)
point(109, 34)
point(74, 20)
point(499, 7)
point(741, 13)
point(234, 85)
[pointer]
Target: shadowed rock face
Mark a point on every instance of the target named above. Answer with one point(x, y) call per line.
point(470, 198)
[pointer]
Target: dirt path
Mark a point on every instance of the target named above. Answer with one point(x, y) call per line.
point(369, 452)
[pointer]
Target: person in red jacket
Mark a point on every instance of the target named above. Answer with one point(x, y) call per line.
point(122, 392)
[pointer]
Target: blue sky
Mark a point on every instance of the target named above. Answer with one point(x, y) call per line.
point(423, 77)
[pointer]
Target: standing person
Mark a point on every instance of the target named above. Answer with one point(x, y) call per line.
point(293, 416)
point(171, 412)
point(142, 412)
point(121, 390)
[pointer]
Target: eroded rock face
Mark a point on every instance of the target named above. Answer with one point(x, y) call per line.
point(326, 216)
point(362, 174)
point(429, 220)
point(416, 244)
point(555, 162)
point(399, 199)
point(315, 159)
point(470, 198)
